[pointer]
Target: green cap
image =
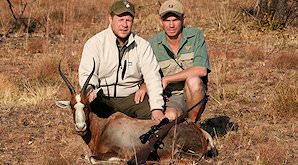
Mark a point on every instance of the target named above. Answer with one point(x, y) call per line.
point(122, 6)
point(171, 6)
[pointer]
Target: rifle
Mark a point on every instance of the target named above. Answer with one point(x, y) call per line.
point(153, 138)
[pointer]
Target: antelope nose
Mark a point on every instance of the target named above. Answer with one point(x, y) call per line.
point(81, 127)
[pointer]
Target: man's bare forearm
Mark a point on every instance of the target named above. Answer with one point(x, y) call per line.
point(194, 71)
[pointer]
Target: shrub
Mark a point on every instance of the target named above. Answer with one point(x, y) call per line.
point(275, 14)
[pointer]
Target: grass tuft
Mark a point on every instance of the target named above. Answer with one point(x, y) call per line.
point(286, 60)
point(283, 101)
point(36, 46)
point(35, 94)
point(272, 153)
point(7, 90)
point(45, 69)
point(253, 53)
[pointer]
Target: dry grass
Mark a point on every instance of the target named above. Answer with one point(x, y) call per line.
point(254, 53)
point(44, 69)
point(37, 94)
point(272, 153)
point(283, 101)
point(219, 69)
point(27, 95)
point(286, 60)
point(31, 96)
point(7, 90)
point(226, 18)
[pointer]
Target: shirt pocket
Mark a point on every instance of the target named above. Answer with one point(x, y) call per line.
point(186, 60)
point(165, 67)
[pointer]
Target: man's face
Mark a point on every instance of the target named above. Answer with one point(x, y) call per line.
point(172, 25)
point(121, 25)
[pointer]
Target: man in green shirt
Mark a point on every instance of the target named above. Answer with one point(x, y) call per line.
point(182, 55)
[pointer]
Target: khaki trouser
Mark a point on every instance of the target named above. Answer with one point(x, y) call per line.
point(106, 106)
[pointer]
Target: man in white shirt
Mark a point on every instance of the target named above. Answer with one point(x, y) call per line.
point(123, 61)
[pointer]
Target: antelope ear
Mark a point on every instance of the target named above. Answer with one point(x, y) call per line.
point(63, 104)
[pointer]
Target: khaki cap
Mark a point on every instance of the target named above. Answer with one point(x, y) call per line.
point(171, 6)
point(122, 6)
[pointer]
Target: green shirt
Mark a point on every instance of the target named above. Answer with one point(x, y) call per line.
point(192, 51)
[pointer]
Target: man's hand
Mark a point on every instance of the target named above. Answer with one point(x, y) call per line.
point(140, 94)
point(165, 82)
point(157, 115)
point(91, 93)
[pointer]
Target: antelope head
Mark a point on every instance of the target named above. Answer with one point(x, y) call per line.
point(79, 103)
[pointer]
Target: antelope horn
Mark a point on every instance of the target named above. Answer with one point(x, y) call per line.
point(88, 79)
point(70, 87)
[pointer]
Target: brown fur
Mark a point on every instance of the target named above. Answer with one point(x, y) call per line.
point(118, 136)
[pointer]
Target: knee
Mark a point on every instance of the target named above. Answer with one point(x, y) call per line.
point(171, 113)
point(194, 84)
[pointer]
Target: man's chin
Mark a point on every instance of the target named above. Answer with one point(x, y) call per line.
point(171, 34)
point(123, 35)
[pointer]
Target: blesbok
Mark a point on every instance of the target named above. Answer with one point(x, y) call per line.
point(118, 135)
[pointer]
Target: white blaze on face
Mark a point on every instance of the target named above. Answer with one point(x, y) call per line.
point(80, 118)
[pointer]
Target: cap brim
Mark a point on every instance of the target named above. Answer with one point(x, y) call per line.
point(172, 12)
point(121, 11)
